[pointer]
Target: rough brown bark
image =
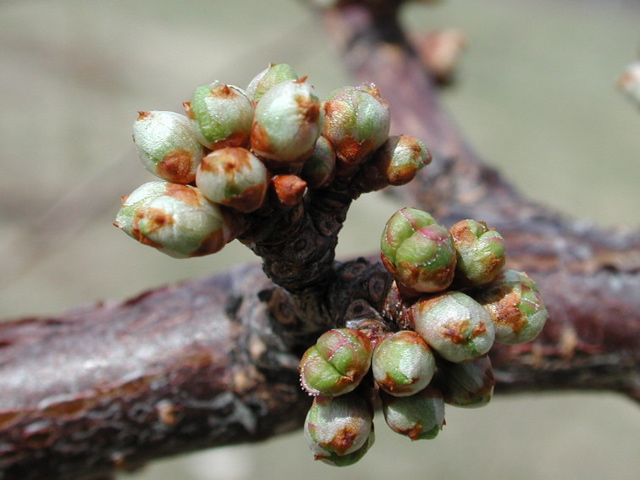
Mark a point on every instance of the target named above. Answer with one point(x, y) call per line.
point(213, 362)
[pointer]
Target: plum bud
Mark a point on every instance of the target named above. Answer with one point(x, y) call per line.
point(337, 427)
point(233, 177)
point(337, 362)
point(516, 306)
point(166, 145)
point(403, 364)
point(457, 327)
point(288, 120)
point(220, 115)
point(480, 253)
point(419, 416)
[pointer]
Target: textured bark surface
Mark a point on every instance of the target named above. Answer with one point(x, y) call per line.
point(213, 362)
point(172, 370)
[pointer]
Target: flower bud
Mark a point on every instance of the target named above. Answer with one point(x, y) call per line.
point(419, 416)
point(220, 115)
point(337, 362)
point(457, 327)
point(418, 252)
point(336, 427)
point(396, 162)
point(466, 384)
point(516, 306)
point(357, 122)
point(350, 458)
point(128, 216)
point(287, 122)
point(176, 219)
point(320, 167)
point(480, 253)
point(272, 75)
point(403, 364)
point(234, 177)
point(399, 227)
point(166, 145)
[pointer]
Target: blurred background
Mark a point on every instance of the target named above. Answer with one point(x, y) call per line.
point(536, 96)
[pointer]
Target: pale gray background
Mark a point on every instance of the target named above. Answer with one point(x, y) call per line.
point(536, 97)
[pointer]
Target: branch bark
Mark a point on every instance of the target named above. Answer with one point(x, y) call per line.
point(213, 362)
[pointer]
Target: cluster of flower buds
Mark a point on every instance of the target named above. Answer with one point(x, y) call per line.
point(219, 161)
point(456, 300)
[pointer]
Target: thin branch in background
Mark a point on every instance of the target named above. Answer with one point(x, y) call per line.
point(40, 238)
point(197, 386)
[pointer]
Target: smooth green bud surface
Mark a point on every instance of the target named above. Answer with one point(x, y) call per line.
point(516, 306)
point(397, 162)
point(357, 122)
point(220, 115)
point(128, 215)
point(468, 385)
point(337, 363)
point(403, 364)
point(166, 145)
point(457, 327)
point(272, 75)
point(399, 227)
point(419, 417)
point(233, 177)
point(180, 222)
point(481, 253)
point(320, 167)
point(350, 458)
point(426, 261)
point(287, 122)
point(338, 426)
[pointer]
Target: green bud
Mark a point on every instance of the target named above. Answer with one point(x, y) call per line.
point(350, 458)
point(272, 75)
point(339, 427)
point(418, 252)
point(128, 216)
point(419, 417)
point(457, 327)
point(287, 122)
point(403, 364)
point(516, 306)
point(357, 122)
point(176, 219)
point(425, 262)
point(320, 167)
point(480, 252)
point(337, 363)
point(396, 162)
point(399, 227)
point(220, 115)
point(233, 177)
point(468, 384)
point(166, 145)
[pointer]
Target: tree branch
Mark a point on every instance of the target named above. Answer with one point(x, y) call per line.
point(589, 276)
point(213, 362)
